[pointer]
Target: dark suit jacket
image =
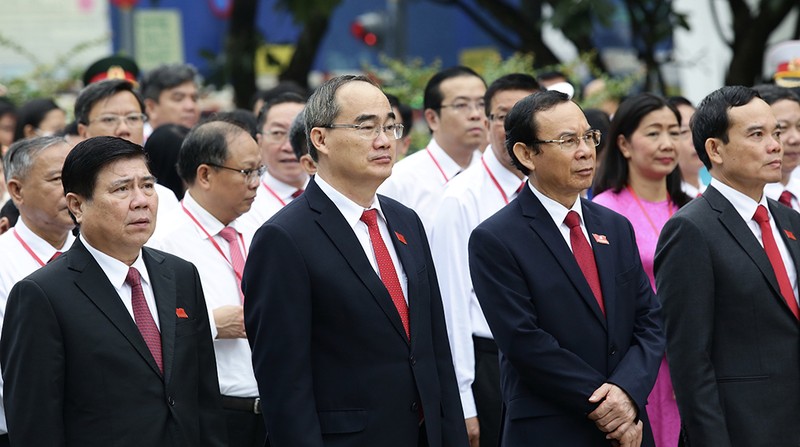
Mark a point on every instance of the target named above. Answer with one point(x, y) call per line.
point(733, 344)
point(556, 346)
point(78, 373)
point(332, 360)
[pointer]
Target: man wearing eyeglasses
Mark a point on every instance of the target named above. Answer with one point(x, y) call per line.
point(469, 199)
point(221, 164)
point(454, 110)
point(562, 287)
point(342, 307)
point(285, 179)
point(112, 108)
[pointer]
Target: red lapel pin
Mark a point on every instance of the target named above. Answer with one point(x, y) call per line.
point(181, 313)
point(790, 235)
point(401, 238)
point(600, 238)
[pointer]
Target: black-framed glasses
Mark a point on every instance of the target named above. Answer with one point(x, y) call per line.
point(249, 174)
point(112, 121)
point(498, 117)
point(369, 131)
point(591, 138)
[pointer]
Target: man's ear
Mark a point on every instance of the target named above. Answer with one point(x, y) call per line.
point(14, 188)
point(5, 224)
point(203, 176)
point(433, 119)
point(317, 137)
point(525, 155)
point(714, 148)
point(75, 206)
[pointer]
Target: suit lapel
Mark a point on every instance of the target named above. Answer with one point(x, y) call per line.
point(543, 225)
point(163, 283)
point(341, 235)
point(732, 221)
point(403, 250)
point(94, 283)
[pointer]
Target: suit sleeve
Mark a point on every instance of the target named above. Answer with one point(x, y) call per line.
point(555, 373)
point(213, 430)
point(686, 290)
point(278, 321)
point(636, 373)
point(453, 430)
point(32, 355)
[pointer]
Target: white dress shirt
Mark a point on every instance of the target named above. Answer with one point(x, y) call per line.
point(746, 207)
point(691, 191)
point(774, 190)
point(188, 241)
point(272, 195)
point(15, 264)
point(418, 180)
point(116, 271)
point(558, 213)
point(351, 211)
point(468, 199)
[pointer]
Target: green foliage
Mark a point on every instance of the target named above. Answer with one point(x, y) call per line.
point(46, 79)
point(406, 80)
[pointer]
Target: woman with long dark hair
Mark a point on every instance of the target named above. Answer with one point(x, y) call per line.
point(639, 178)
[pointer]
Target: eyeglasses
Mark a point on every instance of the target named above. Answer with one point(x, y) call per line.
point(249, 174)
point(591, 138)
point(465, 107)
point(110, 121)
point(497, 117)
point(275, 135)
point(369, 131)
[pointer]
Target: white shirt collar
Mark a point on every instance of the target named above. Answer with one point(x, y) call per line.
point(40, 247)
point(744, 205)
point(447, 164)
point(283, 190)
point(350, 210)
point(116, 271)
point(556, 210)
point(206, 219)
point(508, 181)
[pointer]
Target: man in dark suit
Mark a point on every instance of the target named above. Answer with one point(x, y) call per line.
point(342, 308)
point(726, 270)
point(562, 287)
point(110, 343)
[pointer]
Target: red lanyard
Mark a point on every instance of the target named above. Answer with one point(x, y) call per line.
point(438, 166)
point(644, 211)
point(219, 249)
point(28, 249)
point(274, 194)
point(494, 180)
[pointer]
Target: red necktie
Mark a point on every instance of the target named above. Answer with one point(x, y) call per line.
point(143, 318)
point(297, 193)
point(786, 198)
point(54, 257)
point(775, 259)
point(237, 259)
point(386, 266)
point(585, 256)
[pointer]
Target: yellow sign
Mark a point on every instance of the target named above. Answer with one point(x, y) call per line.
point(272, 59)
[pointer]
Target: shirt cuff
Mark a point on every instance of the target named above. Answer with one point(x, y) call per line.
point(468, 405)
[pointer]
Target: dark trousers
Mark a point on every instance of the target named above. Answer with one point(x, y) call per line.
point(245, 429)
point(4, 441)
point(486, 390)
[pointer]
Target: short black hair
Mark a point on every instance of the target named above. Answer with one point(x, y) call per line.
point(433, 96)
point(162, 149)
point(513, 81)
point(406, 114)
point(551, 75)
point(98, 91)
point(772, 93)
point(521, 126)
point(33, 113)
point(239, 117)
point(711, 118)
point(7, 107)
point(206, 143)
point(10, 212)
point(166, 77)
point(282, 87)
point(84, 163)
point(285, 97)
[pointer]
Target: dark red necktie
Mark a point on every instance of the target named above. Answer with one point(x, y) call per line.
point(237, 259)
point(585, 256)
point(786, 198)
point(54, 257)
point(297, 193)
point(775, 259)
point(143, 318)
point(386, 267)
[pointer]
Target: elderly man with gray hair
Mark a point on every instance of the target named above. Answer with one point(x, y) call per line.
point(43, 231)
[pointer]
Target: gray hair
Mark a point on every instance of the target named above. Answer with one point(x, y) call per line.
point(20, 157)
point(322, 108)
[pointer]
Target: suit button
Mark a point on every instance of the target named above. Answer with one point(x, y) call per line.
point(612, 350)
point(171, 401)
point(414, 407)
point(413, 360)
